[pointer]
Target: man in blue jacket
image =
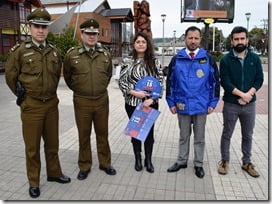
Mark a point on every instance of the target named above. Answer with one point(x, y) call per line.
point(241, 77)
point(192, 92)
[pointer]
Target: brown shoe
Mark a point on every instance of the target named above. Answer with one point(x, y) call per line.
point(223, 167)
point(249, 168)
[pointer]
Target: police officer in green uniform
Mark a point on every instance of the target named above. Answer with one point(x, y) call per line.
point(87, 72)
point(36, 65)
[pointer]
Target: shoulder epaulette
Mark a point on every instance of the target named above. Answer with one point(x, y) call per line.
point(15, 47)
point(72, 48)
point(50, 45)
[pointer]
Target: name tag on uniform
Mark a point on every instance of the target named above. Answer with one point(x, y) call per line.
point(203, 61)
point(28, 54)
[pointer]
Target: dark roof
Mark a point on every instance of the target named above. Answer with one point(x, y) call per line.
point(124, 13)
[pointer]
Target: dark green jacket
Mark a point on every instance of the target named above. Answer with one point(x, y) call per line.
point(38, 71)
point(233, 75)
point(88, 75)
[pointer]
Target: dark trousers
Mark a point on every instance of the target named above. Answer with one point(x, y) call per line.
point(40, 120)
point(246, 115)
point(137, 144)
point(96, 112)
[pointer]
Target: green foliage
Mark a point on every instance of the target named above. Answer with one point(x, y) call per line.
point(217, 55)
point(3, 58)
point(63, 41)
point(258, 39)
point(219, 39)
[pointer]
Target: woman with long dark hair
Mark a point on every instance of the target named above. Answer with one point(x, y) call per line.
point(142, 64)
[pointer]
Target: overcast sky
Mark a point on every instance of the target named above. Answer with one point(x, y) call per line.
point(257, 8)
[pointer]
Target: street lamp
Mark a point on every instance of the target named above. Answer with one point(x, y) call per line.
point(174, 43)
point(247, 18)
point(163, 16)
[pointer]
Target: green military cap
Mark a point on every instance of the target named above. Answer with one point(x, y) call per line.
point(90, 25)
point(39, 16)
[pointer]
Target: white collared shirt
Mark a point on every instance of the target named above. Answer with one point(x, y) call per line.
point(195, 51)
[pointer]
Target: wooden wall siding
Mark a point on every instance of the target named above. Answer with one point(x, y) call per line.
point(9, 16)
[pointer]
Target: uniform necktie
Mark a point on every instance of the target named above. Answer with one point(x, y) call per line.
point(41, 46)
point(192, 54)
point(91, 51)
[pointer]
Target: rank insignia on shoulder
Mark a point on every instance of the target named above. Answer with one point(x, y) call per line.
point(72, 48)
point(15, 47)
point(203, 61)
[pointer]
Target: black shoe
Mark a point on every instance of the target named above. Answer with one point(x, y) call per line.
point(176, 167)
point(34, 192)
point(149, 166)
point(83, 174)
point(61, 179)
point(108, 170)
point(199, 172)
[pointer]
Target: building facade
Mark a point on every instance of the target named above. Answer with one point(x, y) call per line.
point(13, 22)
point(112, 29)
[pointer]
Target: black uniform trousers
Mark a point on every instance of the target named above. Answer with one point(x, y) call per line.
point(40, 119)
point(88, 112)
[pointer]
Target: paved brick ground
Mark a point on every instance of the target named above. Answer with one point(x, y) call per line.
point(129, 184)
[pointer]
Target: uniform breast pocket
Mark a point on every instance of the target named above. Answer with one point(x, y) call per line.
point(32, 65)
point(55, 66)
point(79, 68)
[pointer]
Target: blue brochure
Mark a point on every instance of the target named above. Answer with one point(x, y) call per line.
point(141, 122)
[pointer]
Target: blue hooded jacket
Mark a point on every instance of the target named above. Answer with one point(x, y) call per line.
point(192, 84)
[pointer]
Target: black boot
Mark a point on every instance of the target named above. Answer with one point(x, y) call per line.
point(137, 152)
point(148, 154)
point(138, 161)
point(148, 163)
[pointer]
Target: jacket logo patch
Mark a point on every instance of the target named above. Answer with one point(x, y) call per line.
point(203, 61)
point(199, 73)
point(181, 106)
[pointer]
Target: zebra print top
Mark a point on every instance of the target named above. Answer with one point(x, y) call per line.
point(131, 72)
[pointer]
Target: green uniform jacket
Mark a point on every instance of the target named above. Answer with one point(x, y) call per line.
point(88, 75)
point(38, 71)
point(233, 75)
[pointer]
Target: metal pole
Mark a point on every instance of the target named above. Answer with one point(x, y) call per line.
point(213, 38)
point(247, 24)
point(174, 43)
point(163, 42)
point(207, 36)
point(163, 16)
point(77, 20)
